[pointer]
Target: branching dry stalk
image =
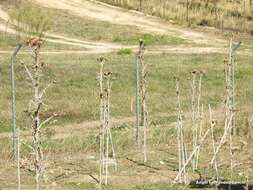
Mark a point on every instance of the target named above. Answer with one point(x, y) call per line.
point(199, 118)
point(101, 139)
point(193, 119)
point(197, 113)
point(230, 104)
point(35, 107)
point(180, 136)
point(144, 109)
point(230, 110)
point(213, 124)
point(105, 140)
point(141, 95)
point(222, 141)
point(191, 156)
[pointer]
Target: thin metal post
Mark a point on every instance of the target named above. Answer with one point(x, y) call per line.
point(139, 93)
point(13, 91)
point(231, 83)
point(101, 135)
point(15, 131)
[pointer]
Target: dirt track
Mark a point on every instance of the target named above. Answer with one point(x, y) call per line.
point(90, 47)
point(149, 50)
point(100, 11)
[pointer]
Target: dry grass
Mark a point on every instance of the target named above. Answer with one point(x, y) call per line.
point(72, 158)
point(230, 15)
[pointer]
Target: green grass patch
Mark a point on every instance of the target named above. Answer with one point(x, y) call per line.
point(10, 41)
point(74, 97)
point(149, 39)
point(7, 41)
point(125, 51)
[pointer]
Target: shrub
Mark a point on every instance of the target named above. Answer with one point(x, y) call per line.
point(31, 19)
point(125, 51)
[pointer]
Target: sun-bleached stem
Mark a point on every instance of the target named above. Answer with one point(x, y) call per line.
point(141, 104)
point(144, 109)
point(180, 136)
point(230, 85)
point(212, 124)
point(191, 156)
point(102, 123)
point(36, 121)
point(194, 123)
point(106, 141)
point(46, 121)
point(201, 115)
point(18, 159)
point(35, 107)
point(222, 141)
point(28, 73)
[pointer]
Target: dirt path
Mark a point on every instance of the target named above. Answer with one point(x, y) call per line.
point(3, 14)
point(150, 50)
point(76, 129)
point(204, 43)
point(89, 47)
point(73, 129)
point(115, 15)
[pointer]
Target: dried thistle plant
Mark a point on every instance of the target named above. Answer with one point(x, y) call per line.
point(35, 107)
point(105, 137)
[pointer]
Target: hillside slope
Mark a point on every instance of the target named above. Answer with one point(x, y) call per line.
point(122, 17)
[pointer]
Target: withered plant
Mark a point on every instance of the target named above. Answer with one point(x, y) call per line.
point(105, 140)
point(36, 106)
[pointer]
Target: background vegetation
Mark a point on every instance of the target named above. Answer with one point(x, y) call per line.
point(222, 14)
point(71, 140)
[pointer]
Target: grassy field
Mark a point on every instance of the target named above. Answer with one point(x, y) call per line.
point(10, 41)
point(99, 31)
point(75, 99)
point(70, 142)
point(105, 32)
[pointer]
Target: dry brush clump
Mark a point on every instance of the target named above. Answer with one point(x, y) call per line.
point(30, 20)
point(194, 130)
point(180, 136)
point(229, 137)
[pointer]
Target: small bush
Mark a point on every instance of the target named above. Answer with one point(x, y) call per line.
point(203, 22)
point(31, 19)
point(125, 51)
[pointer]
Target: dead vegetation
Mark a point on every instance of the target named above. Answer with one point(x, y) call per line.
point(196, 139)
